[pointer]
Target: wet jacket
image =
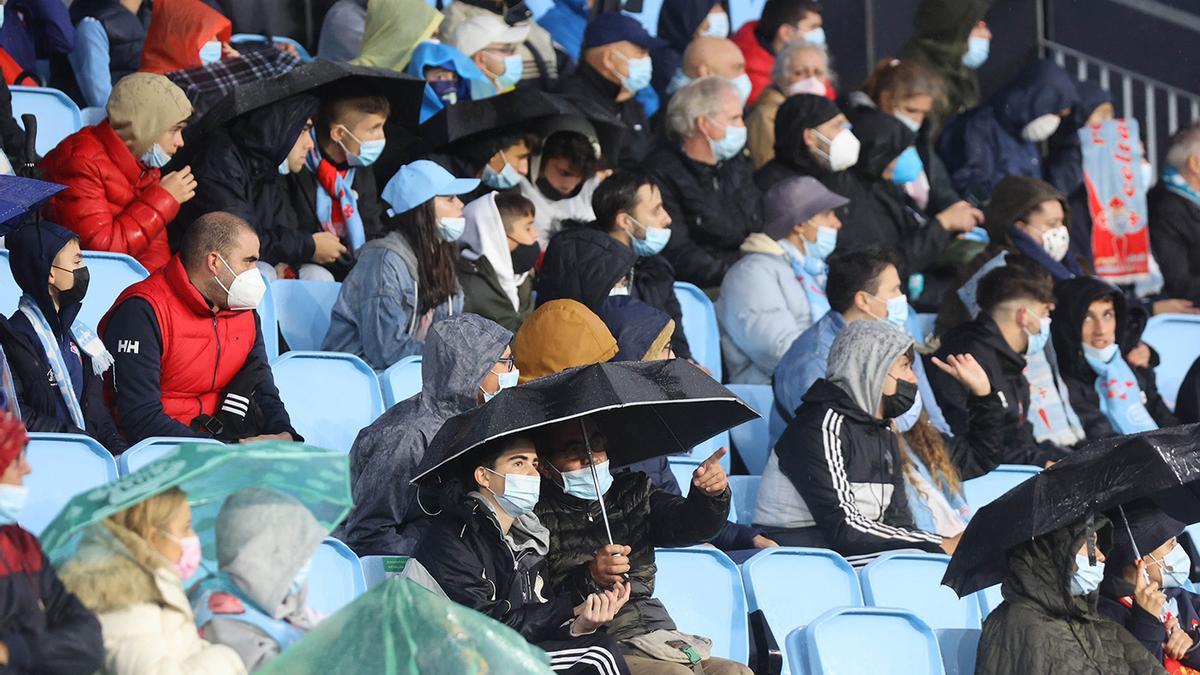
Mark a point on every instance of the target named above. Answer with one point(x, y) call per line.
point(302, 194)
point(112, 201)
point(45, 628)
point(642, 517)
point(237, 170)
point(1175, 240)
point(459, 353)
point(1144, 626)
point(583, 264)
point(941, 29)
point(1041, 629)
point(713, 209)
point(587, 84)
point(983, 145)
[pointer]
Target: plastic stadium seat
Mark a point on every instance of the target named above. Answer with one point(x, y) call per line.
point(989, 599)
point(150, 449)
point(682, 468)
point(239, 38)
point(719, 612)
point(793, 586)
point(745, 496)
point(336, 577)
point(700, 326)
point(111, 273)
point(744, 11)
point(648, 17)
point(93, 115)
point(63, 466)
point(302, 309)
point(401, 380)
point(10, 293)
point(1176, 338)
point(329, 396)
point(866, 640)
point(752, 440)
point(707, 448)
point(268, 323)
point(959, 647)
point(57, 115)
point(986, 488)
point(913, 581)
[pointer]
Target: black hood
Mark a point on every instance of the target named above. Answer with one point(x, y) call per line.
point(1071, 300)
point(1040, 89)
point(679, 20)
point(800, 112)
point(948, 21)
point(1012, 198)
point(583, 264)
point(1040, 571)
point(882, 138)
point(1091, 96)
point(31, 250)
point(268, 133)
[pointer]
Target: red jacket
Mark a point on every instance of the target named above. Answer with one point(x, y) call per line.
point(759, 61)
point(112, 201)
point(201, 350)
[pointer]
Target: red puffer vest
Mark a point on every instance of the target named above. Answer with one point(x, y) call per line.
point(201, 351)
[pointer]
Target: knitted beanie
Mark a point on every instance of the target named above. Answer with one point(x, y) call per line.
point(143, 106)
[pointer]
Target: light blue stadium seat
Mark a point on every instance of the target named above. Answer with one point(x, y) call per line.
point(10, 293)
point(700, 326)
point(744, 11)
point(958, 647)
point(1176, 338)
point(269, 324)
point(336, 577)
point(57, 115)
point(986, 488)
point(913, 581)
point(238, 38)
point(745, 496)
point(93, 115)
point(707, 448)
point(329, 396)
point(150, 449)
point(401, 380)
point(702, 589)
point(989, 599)
point(793, 586)
point(302, 309)
point(866, 640)
point(682, 468)
point(63, 466)
point(111, 274)
point(752, 440)
point(648, 17)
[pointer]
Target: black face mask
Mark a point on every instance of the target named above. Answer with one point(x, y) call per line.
point(554, 194)
point(75, 293)
point(900, 402)
point(525, 256)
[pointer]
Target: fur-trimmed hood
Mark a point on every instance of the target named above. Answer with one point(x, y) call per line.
point(114, 569)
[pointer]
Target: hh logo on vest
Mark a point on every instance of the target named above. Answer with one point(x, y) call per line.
point(128, 346)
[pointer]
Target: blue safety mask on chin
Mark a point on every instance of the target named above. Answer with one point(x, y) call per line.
point(155, 157)
point(977, 52)
point(506, 178)
point(579, 483)
point(1088, 577)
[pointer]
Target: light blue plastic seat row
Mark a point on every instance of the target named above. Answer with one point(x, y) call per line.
point(702, 589)
point(401, 380)
point(875, 640)
point(63, 465)
point(336, 577)
point(752, 440)
point(57, 115)
point(1176, 338)
point(150, 449)
point(983, 490)
point(111, 274)
point(303, 310)
point(329, 396)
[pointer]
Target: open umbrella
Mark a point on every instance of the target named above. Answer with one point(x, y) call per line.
point(399, 628)
point(1096, 478)
point(19, 196)
point(209, 473)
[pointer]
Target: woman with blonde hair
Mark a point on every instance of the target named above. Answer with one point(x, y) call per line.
point(130, 569)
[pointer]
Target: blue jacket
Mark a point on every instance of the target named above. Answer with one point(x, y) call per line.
point(566, 21)
point(983, 145)
point(36, 29)
point(802, 364)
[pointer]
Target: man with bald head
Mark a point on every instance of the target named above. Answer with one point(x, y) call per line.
point(707, 56)
point(190, 359)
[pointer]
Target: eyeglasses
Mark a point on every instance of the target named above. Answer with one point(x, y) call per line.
point(508, 362)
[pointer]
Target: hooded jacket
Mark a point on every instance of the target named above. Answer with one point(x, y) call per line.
point(1072, 299)
point(641, 331)
point(178, 29)
point(393, 29)
point(485, 269)
point(939, 42)
point(1040, 628)
point(983, 145)
point(677, 24)
point(237, 171)
point(713, 208)
point(583, 264)
point(33, 250)
point(1174, 222)
point(792, 156)
point(459, 352)
point(561, 334)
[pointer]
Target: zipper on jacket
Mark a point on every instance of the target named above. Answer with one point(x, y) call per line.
point(217, 335)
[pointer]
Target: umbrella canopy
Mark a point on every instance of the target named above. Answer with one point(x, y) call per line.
point(399, 628)
point(209, 473)
point(1096, 478)
point(19, 196)
point(646, 409)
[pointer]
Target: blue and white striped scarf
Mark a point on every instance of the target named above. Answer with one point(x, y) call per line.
point(87, 340)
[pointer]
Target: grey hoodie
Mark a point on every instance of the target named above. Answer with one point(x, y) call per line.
point(459, 352)
point(861, 357)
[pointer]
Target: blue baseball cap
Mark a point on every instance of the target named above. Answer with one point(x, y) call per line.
point(613, 27)
point(418, 182)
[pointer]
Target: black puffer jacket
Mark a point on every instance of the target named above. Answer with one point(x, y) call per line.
point(1041, 629)
point(642, 517)
point(590, 87)
point(713, 209)
point(583, 264)
point(1175, 240)
point(237, 171)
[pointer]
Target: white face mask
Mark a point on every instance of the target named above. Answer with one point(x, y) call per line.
point(1041, 128)
point(247, 289)
point(812, 85)
point(1057, 241)
point(843, 150)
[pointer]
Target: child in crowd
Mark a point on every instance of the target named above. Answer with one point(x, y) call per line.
point(497, 255)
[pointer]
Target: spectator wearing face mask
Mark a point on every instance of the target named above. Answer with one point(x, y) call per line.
point(800, 68)
point(500, 159)
point(782, 22)
point(812, 138)
point(584, 265)
point(562, 178)
point(496, 258)
point(1000, 137)
point(707, 181)
point(448, 75)
point(952, 39)
point(109, 36)
point(185, 34)
point(681, 24)
point(775, 292)
point(707, 56)
point(393, 30)
point(491, 44)
point(540, 59)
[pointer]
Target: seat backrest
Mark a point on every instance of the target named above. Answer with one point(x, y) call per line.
point(986, 488)
point(401, 380)
point(989, 599)
point(719, 612)
point(752, 440)
point(705, 450)
point(1176, 338)
point(302, 309)
point(268, 323)
point(867, 640)
point(958, 647)
point(10, 293)
point(336, 577)
point(379, 568)
point(700, 326)
point(111, 274)
point(63, 466)
point(150, 449)
point(682, 468)
point(793, 586)
point(57, 115)
point(329, 396)
point(744, 490)
point(913, 581)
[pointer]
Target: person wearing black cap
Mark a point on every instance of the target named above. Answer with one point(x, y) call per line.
point(1144, 573)
point(812, 138)
point(615, 65)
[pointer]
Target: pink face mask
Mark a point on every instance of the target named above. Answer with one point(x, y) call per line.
point(189, 557)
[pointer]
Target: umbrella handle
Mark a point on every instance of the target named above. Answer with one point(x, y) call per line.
point(596, 481)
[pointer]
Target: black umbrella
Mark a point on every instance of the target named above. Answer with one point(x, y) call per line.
point(1096, 478)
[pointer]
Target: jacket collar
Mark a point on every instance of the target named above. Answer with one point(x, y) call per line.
point(990, 335)
point(183, 288)
point(608, 90)
point(120, 154)
point(824, 392)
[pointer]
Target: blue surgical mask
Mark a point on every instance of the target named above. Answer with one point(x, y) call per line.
point(824, 245)
point(368, 151)
point(300, 579)
point(897, 311)
point(521, 493)
point(155, 157)
point(513, 67)
point(1179, 564)
point(977, 52)
point(678, 81)
point(718, 25)
point(731, 145)
point(908, 167)
point(210, 52)
point(283, 168)
point(1087, 578)
point(451, 229)
point(505, 381)
point(913, 125)
point(653, 242)
point(506, 178)
point(1099, 358)
point(1037, 341)
point(744, 86)
point(640, 71)
point(12, 501)
point(815, 36)
point(579, 483)
point(909, 419)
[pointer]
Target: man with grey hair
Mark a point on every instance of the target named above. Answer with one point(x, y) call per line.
point(706, 180)
point(188, 349)
point(1174, 210)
